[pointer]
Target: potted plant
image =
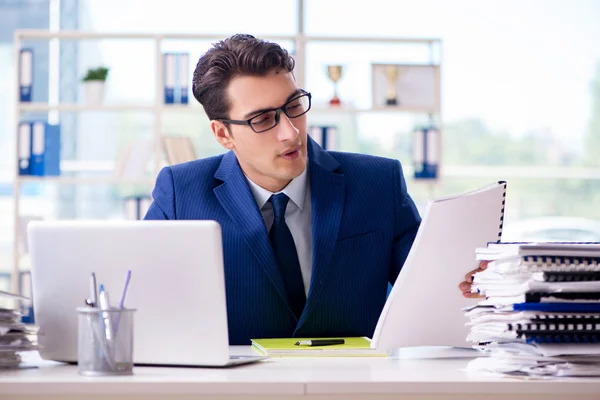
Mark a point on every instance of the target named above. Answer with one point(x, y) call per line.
point(94, 84)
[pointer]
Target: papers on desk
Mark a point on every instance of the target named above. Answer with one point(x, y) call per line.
point(15, 338)
point(541, 315)
point(353, 347)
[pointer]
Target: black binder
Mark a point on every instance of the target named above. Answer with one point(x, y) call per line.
point(571, 276)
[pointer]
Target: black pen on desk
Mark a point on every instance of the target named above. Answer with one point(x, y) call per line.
point(320, 342)
point(93, 290)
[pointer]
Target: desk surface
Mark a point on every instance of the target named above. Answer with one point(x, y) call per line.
point(400, 376)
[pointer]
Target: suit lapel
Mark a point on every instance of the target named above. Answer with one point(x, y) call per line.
point(327, 201)
point(237, 200)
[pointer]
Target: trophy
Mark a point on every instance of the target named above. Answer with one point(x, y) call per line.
point(391, 74)
point(334, 72)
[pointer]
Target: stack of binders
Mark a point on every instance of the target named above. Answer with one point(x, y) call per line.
point(541, 313)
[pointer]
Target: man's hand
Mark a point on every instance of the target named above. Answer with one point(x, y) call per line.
point(465, 286)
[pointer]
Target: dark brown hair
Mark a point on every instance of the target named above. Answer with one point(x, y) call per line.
point(240, 54)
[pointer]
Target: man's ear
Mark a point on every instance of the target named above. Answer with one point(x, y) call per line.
point(222, 134)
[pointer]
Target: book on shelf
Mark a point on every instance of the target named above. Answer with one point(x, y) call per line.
point(135, 160)
point(178, 149)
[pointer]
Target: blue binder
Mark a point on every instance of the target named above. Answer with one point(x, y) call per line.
point(25, 74)
point(558, 307)
point(169, 73)
point(426, 153)
point(24, 146)
point(45, 149)
point(182, 75)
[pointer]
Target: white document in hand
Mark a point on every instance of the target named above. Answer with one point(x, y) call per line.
point(425, 305)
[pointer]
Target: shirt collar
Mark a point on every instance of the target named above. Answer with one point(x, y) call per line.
point(295, 190)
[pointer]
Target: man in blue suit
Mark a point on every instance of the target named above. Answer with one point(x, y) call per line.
point(311, 238)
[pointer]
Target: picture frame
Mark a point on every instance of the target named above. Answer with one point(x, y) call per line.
point(414, 87)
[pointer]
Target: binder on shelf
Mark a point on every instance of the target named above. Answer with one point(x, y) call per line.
point(426, 153)
point(24, 146)
point(325, 136)
point(183, 72)
point(45, 149)
point(176, 77)
point(25, 75)
point(169, 77)
point(136, 207)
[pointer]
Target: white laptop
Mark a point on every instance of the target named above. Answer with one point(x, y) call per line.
point(177, 286)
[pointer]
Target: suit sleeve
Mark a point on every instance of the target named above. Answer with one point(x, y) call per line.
point(406, 222)
point(163, 204)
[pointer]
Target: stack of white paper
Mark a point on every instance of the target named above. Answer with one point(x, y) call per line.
point(541, 315)
point(15, 337)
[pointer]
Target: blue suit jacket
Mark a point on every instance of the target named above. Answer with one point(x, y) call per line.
point(363, 225)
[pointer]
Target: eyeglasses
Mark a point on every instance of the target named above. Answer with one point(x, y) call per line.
point(269, 119)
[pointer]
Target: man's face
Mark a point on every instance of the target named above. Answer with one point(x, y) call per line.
point(274, 157)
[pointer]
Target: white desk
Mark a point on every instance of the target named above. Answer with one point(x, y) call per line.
point(292, 378)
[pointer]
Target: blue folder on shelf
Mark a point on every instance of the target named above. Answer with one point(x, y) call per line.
point(45, 149)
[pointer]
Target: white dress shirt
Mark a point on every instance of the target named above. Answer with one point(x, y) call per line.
point(298, 217)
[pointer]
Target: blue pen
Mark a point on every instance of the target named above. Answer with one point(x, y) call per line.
point(107, 341)
point(127, 279)
point(105, 305)
point(122, 301)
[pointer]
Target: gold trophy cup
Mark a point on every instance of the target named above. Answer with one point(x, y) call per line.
point(391, 74)
point(334, 72)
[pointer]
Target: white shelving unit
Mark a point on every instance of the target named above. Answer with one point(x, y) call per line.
point(158, 109)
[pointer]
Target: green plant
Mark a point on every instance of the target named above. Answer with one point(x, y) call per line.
point(96, 74)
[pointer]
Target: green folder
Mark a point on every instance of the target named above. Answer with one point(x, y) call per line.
point(353, 347)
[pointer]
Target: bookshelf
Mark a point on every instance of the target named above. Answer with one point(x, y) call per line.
point(159, 111)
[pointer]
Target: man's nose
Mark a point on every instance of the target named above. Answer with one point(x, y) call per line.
point(287, 130)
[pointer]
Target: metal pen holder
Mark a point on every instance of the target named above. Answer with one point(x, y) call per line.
point(105, 341)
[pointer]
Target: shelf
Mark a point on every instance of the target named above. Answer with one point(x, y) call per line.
point(390, 109)
point(190, 107)
point(194, 108)
point(67, 34)
point(73, 107)
point(30, 107)
point(83, 180)
point(364, 39)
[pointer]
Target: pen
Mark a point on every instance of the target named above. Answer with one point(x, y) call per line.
point(107, 339)
point(93, 290)
point(320, 342)
point(127, 279)
point(122, 301)
point(105, 305)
